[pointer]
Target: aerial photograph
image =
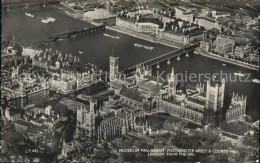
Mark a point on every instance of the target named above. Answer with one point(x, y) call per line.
point(130, 81)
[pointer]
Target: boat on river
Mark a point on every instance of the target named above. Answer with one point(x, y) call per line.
point(256, 81)
point(143, 46)
point(138, 45)
point(29, 15)
point(48, 20)
point(115, 37)
point(149, 47)
point(239, 74)
point(108, 35)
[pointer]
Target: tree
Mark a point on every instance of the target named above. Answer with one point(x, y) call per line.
point(61, 109)
point(251, 140)
point(102, 155)
point(238, 128)
point(12, 136)
point(105, 146)
point(129, 157)
point(69, 132)
point(114, 156)
point(19, 48)
point(211, 137)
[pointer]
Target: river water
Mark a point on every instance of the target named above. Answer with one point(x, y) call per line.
point(97, 48)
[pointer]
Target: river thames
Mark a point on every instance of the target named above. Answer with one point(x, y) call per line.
point(97, 48)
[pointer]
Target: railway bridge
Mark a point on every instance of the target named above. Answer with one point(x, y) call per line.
point(73, 33)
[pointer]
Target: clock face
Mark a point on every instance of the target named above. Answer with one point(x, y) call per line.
point(113, 62)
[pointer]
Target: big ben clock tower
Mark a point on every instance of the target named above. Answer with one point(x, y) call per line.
point(214, 102)
point(113, 62)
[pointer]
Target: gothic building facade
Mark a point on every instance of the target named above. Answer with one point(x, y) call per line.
point(237, 108)
point(24, 90)
point(86, 121)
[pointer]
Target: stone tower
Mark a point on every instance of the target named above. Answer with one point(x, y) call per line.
point(113, 63)
point(214, 102)
point(92, 118)
point(86, 121)
point(22, 93)
point(172, 84)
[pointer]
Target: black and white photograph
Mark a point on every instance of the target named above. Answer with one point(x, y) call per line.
point(130, 81)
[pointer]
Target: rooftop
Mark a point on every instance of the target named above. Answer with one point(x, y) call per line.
point(149, 86)
point(207, 19)
point(30, 126)
point(197, 101)
point(131, 93)
point(71, 104)
point(14, 111)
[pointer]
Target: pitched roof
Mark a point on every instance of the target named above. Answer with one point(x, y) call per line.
point(132, 94)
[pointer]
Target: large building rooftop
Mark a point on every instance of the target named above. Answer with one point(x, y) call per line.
point(131, 93)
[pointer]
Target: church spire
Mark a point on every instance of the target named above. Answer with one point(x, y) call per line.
point(172, 74)
point(172, 84)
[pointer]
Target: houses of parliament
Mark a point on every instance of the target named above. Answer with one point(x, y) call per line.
point(141, 94)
